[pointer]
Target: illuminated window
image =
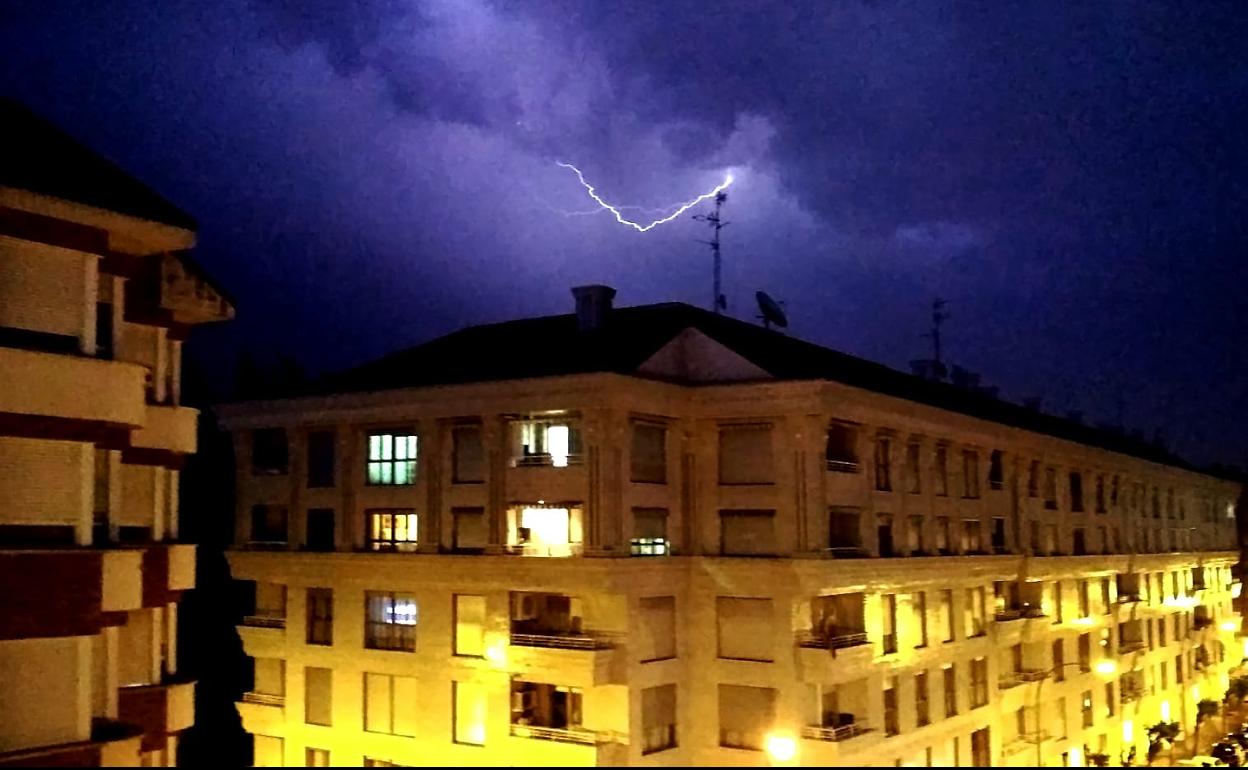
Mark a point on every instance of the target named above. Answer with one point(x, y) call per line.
point(972, 537)
point(544, 530)
point(374, 762)
point(547, 442)
point(469, 712)
point(974, 612)
point(391, 530)
point(1085, 708)
point(888, 617)
point(392, 458)
point(390, 622)
point(316, 757)
point(547, 706)
point(658, 718)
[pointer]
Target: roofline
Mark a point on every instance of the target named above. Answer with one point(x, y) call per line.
point(234, 415)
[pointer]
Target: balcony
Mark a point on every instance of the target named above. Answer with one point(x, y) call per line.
point(264, 699)
point(167, 428)
point(1128, 598)
point(1131, 694)
point(264, 620)
point(844, 466)
point(1008, 614)
point(112, 744)
point(1127, 646)
point(577, 735)
point(560, 641)
point(1012, 679)
point(1201, 622)
point(72, 388)
point(556, 550)
point(832, 639)
point(160, 709)
point(835, 734)
point(1024, 741)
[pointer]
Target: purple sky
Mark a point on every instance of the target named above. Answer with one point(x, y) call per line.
point(1071, 179)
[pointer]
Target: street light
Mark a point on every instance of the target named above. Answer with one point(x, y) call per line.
point(1104, 668)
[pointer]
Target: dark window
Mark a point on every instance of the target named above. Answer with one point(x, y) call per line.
point(996, 473)
point(320, 459)
point(320, 529)
point(268, 524)
point(104, 329)
point(648, 459)
point(842, 449)
point(269, 452)
point(883, 464)
point(468, 461)
point(1079, 544)
point(1076, 492)
point(998, 535)
point(320, 616)
point(884, 527)
point(649, 532)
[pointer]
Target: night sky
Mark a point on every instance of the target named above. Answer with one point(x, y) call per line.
point(367, 175)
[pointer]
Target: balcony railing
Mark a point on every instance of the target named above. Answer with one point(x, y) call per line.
point(264, 698)
point(264, 621)
point(1024, 740)
point(834, 640)
point(1201, 622)
point(561, 641)
point(561, 734)
point(1131, 645)
point(834, 734)
point(560, 550)
point(1020, 677)
point(1008, 614)
point(545, 460)
point(1128, 598)
point(844, 466)
point(845, 552)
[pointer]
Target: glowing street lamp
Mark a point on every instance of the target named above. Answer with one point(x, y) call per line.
point(781, 747)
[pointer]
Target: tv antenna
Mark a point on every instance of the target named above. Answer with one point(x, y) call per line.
point(772, 311)
point(939, 316)
point(718, 302)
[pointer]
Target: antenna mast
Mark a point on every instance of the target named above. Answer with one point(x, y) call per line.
point(718, 302)
point(938, 317)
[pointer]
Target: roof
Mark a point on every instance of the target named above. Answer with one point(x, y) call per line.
point(37, 156)
point(554, 345)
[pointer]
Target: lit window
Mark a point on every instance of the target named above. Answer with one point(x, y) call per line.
point(541, 530)
point(391, 621)
point(649, 532)
point(544, 442)
point(390, 530)
point(392, 458)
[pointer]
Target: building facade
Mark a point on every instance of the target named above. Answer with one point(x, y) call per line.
point(96, 297)
point(671, 538)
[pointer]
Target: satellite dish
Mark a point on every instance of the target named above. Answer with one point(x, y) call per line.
point(772, 313)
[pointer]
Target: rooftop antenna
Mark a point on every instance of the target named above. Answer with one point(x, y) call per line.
point(772, 312)
point(939, 316)
point(718, 302)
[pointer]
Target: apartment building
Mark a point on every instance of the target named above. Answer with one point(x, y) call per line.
point(658, 536)
point(96, 297)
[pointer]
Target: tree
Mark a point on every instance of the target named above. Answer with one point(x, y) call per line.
point(1160, 736)
point(1205, 710)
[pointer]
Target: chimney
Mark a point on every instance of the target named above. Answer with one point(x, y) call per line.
point(593, 306)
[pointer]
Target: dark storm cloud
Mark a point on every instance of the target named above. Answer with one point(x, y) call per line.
point(1070, 176)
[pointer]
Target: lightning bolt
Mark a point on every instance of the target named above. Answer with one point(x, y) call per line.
point(615, 210)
